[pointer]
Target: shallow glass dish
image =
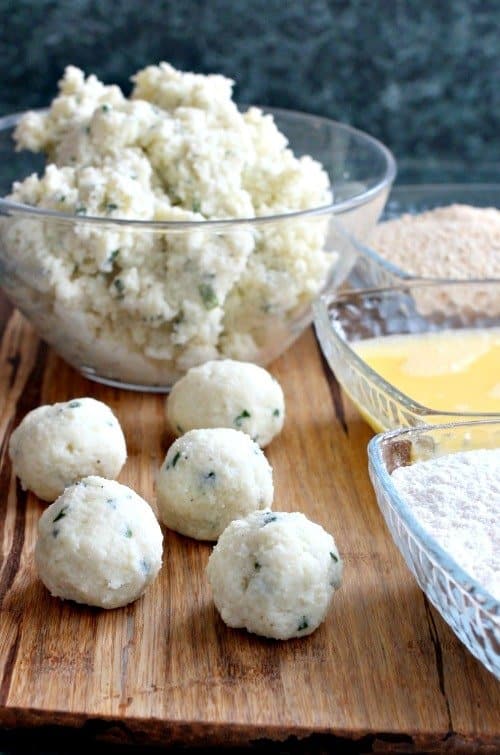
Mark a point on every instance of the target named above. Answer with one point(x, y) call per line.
point(411, 307)
point(107, 344)
point(414, 199)
point(472, 613)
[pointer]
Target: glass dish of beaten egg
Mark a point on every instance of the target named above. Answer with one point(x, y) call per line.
point(416, 352)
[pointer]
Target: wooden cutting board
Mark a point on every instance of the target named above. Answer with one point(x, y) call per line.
point(383, 670)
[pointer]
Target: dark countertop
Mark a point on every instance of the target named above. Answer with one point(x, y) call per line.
point(423, 77)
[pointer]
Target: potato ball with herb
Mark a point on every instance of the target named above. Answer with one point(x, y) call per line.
point(274, 574)
point(57, 444)
point(211, 477)
point(98, 544)
point(227, 393)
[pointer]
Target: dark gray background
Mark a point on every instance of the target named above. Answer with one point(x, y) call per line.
point(422, 75)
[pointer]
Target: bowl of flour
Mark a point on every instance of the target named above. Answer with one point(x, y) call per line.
point(439, 491)
point(144, 235)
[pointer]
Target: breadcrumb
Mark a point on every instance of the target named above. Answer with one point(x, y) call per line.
point(457, 241)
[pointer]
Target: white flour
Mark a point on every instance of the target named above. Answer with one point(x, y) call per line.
point(456, 498)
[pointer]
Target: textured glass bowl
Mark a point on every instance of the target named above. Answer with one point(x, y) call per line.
point(361, 172)
point(373, 268)
point(472, 613)
point(414, 306)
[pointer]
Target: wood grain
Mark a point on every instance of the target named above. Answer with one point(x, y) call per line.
point(383, 670)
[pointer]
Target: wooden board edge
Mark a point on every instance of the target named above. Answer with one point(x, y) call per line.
point(152, 732)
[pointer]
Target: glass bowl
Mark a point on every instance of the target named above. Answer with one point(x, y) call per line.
point(407, 307)
point(254, 316)
point(472, 613)
point(413, 200)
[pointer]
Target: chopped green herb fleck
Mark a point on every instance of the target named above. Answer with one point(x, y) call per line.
point(62, 198)
point(176, 458)
point(179, 429)
point(105, 108)
point(196, 205)
point(111, 502)
point(276, 413)
point(120, 287)
point(61, 514)
point(238, 421)
point(128, 532)
point(208, 295)
point(257, 566)
point(81, 210)
point(114, 254)
point(304, 624)
point(210, 476)
point(334, 557)
point(74, 404)
point(87, 129)
point(179, 318)
point(268, 518)
point(154, 318)
point(111, 206)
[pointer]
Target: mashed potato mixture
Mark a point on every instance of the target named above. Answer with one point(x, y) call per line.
point(98, 544)
point(57, 444)
point(274, 573)
point(145, 305)
point(210, 477)
point(226, 393)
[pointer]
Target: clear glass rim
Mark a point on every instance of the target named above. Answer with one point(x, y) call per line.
point(438, 555)
point(438, 188)
point(336, 208)
point(405, 401)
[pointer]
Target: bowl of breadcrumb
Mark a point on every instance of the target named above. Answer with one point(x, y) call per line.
point(437, 231)
point(438, 489)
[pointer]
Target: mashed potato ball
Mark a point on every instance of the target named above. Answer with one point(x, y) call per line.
point(227, 393)
point(274, 573)
point(58, 444)
point(98, 544)
point(211, 477)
